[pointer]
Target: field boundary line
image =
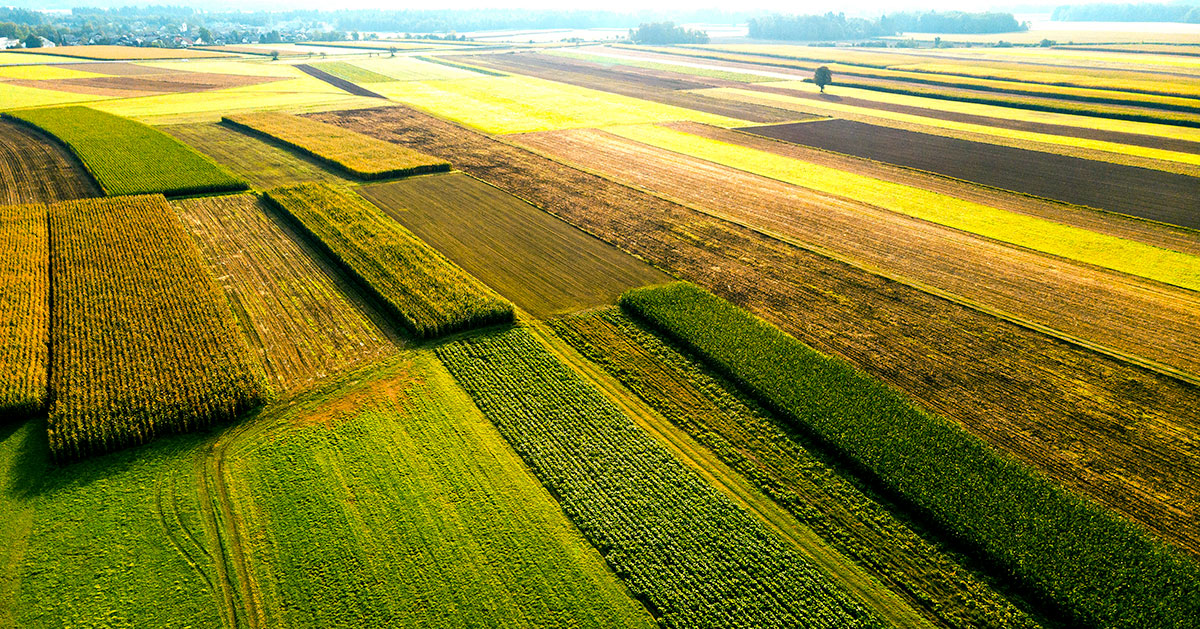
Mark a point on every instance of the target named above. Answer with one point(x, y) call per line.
point(846, 573)
point(1132, 359)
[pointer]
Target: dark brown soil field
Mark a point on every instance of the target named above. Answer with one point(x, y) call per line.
point(1157, 234)
point(339, 83)
point(1122, 435)
point(660, 87)
point(35, 169)
point(1131, 315)
point(542, 264)
point(1035, 127)
point(1140, 192)
point(164, 83)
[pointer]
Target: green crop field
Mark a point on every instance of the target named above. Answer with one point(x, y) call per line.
point(427, 293)
point(128, 157)
point(1058, 544)
point(464, 330)
point(356, 154)
point(145, 342)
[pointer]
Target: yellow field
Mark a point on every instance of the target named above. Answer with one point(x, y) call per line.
point(18, 96)
point(519, 104)
point(122, 52)
point(298, 95)
point(1054, 238)
point(241, 67)
point(834, 108)
point(410, 69)
point(18, 58)
point(43, 73)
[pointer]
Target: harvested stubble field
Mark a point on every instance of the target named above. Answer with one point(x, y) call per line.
point(659, 87)
point(264, 164)
point(35, 169)
point(148, 84)
point(542, 264)
point(354, 153)
point(302, 315)
point(1152, 194)
point(426, 293)
point(693, 556)
point(24, 309)
point(1100, 426)
point(145, 342)
point(1135, 316)
point(785, 467)
point(128, 157)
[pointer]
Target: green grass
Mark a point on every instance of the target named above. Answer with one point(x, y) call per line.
point(426, 293)
point(128, 157)
point(1092, 566)
point(352, 73)
point(1034, 233)
point(780, 464)
point(517, 104)
point(383, 499)
point(686, 549)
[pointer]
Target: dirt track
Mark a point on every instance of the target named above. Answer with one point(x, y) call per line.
point(1120, 434)
point(1140, 192)
point(35, 169)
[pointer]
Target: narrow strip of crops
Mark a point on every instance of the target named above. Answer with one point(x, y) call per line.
point(144, 341)
point(461, 66)
point(24, 309)
point(428, 294)
point(1073, 243)
point(357, 154)
point(681, 546)
point(128, 157)
point(1098, 569)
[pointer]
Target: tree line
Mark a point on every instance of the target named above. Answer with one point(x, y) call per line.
point(1128, 13)
point(836, 26)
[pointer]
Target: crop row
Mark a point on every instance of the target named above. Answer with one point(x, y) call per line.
point(24, 309)
point(128, 157)
point(428, 294)
point(357, 154)
point(763, 449)
point(686, 550)
point(144, 341)
point(461, 66)
point(1098, 569)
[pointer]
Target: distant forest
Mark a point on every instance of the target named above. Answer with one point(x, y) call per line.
point(836, 26)
point(1129, 13)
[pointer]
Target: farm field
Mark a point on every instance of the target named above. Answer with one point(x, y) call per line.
point(542, 264)
point(370, 329)
point(35, 169)
point(1140, 318)
point(358, 155)
point(1019, 390)
point(144, 160)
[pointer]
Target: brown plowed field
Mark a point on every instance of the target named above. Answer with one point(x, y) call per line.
point(1118, 433)
point(34, 169)
point(118, 68)
point(1129, 314)
point(304, 318)
point(1157, 234)
point(647, 86)
point(542, 264)
point(147, 84)
point(1140, 192)
point(1169, 144)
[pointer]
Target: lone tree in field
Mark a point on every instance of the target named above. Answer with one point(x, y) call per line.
point(823, 77)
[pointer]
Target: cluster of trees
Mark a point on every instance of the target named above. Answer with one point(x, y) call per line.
point(657, 33)
point(1128, 13)
point(836, 26)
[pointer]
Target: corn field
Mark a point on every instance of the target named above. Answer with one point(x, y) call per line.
point(1095, 567)
point(359, 155)
point(428, 294)
point(144, 341)
point(24, 309)
point(683, 548)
